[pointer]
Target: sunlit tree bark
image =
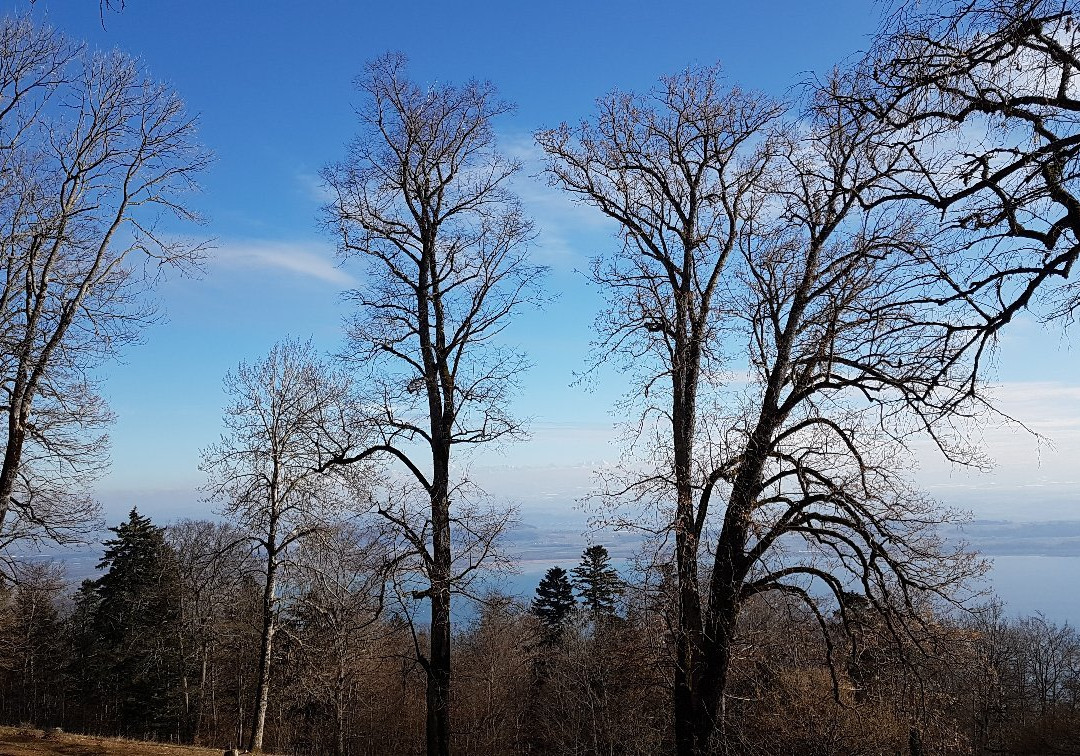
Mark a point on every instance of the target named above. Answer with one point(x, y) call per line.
point(286, 412)
point(92, 154)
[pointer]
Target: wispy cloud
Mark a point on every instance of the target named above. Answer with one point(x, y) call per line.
point(569, 232)
point(312, 185)
point(309, 259)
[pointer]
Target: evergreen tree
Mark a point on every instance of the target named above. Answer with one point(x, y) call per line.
point(137, 626)
point(85, 665)
point(553, 603)
point(597, 583)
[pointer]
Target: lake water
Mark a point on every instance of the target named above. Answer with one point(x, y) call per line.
point(1025, 579)
point(1048, 584)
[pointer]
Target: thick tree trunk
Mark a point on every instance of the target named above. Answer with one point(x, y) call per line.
point(710, 715)
point(9, 470)
point(700, 682)
point(725, 590)
point(690, 650)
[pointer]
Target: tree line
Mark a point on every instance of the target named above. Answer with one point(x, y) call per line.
point(166, 645)
point(798, 291)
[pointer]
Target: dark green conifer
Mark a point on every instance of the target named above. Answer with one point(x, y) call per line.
point(553, 603)
point(137, 626)
point(597, 582)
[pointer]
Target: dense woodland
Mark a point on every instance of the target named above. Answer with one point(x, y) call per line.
point(799, 291)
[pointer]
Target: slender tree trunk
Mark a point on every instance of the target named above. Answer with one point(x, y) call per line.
point(201, 701)
point(438, 681)
point(184, 729)
point(339, 708)
point(262, 696)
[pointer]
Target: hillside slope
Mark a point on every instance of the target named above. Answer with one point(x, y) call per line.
point(27, 742)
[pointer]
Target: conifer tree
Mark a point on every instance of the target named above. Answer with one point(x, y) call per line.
point(84, 664)
point(597, 583)
point(553, 603)
point(136, 622)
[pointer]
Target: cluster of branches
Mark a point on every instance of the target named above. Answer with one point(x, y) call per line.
point(982, 98)
point(797, 313)
point(92, 153)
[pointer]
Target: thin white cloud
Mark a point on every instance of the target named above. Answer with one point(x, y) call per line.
point(309, 259)
point(312, 185)
point(570, 232)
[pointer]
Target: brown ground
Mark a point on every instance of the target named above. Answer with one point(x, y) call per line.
point(26, 742)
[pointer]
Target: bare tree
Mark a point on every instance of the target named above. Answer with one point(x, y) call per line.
point(982, 95)
point(422, 196)
point(340, 582)
point(92, 154)
point(287, 412)
point(213, 561)
point(743, 237)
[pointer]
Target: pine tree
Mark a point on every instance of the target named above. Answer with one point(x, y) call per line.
point(553, 603)
point(137, 625)
point(597, 583)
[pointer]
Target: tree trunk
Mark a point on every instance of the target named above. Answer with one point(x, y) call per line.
point(262, 696)
point(339, 706)
point(16, 437)
point(438, 679)
point(690, 654)
point(690, 650)
point(201, 705)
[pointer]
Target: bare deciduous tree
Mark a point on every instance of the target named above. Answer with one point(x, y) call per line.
point(92, 154)
point(213, 560)
point(676, 171)
point(422, 197)
point(340, 583)
point(982, 95)
point(743, 238)
point(288, 414)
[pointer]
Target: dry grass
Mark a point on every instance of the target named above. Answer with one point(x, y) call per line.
point(25, 742)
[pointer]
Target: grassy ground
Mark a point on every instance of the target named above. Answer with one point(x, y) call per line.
point(25, 742)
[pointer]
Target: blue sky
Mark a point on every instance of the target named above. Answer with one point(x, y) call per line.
point(271, 82)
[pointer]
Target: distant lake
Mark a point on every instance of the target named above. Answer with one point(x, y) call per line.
point(1047, 584)
point(1036, 566)
point(1027, 584)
